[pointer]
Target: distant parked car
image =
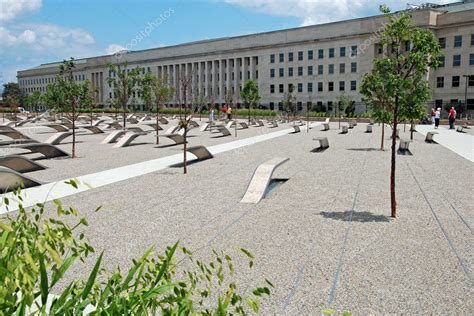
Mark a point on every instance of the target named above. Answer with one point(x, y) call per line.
point(22, 110)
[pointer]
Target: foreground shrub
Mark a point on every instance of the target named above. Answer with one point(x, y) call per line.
point(37, 251)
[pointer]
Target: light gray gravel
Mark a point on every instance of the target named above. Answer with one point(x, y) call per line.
point(323, 238)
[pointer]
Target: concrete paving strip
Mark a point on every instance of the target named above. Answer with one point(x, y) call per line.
point(460, 143)
point(60, 189)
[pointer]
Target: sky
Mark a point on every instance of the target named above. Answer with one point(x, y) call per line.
point(33, 32)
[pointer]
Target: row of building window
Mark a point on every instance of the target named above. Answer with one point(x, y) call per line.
point(309, 87)
point(37, 81)
point(457, 60)
point(310, 70)
point(457, 41)
point(310, 54)
point(455, 81)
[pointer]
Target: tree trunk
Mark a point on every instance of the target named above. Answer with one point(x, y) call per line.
point(383, 135)
point(185, 167)
point(411, 129)
point(73, 129)
point(157, 125)
point(393, 201)
point(124, 118)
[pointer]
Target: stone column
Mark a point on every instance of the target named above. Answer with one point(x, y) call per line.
point(236, 79)
point(221, 80)
point(228, 74)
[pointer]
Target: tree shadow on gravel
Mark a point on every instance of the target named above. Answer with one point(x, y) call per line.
point(364, 149)
point(362, 217)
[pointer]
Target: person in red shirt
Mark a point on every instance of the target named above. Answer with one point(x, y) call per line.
point(452, 117)
point(433, 113)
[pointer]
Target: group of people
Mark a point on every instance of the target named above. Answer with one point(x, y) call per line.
point(226, 112)
point(436, 116)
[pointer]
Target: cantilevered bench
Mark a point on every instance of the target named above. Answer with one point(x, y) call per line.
point(14, 134)
point(127, 139)
point(460, 128)
point(230, 124)
point(10, 180)
point(193, 123)
point(430, 137)
point(205, 127)
point(404, 146)
point(223, 130)
point(132, 120)
point(351, 125)
point(112, 137)
point(57, 138)
point(21, 123)
point(243, 125)
point(273, 124)
point(47, 150)
point(397, 134)
point(98, 122)
point(58, 127)
point(93, 129)
point(345, 129)
point(176, 138)
point(163, 120)
point(200, 152)
point(172, 130)
point(325, 127)
point(154, 126)
point(261, 179)
point(323, 144)
point(296, 129)
point(20, 164)
point(260, 123)
point(369, 129)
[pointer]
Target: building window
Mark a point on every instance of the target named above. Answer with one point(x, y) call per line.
point(272, 88)
point(342, 52)
point(331, 69)
point(442, 42)
point(299, 106)
point(282, 57)
point(310, 70)
point(342, 68)
point(320, 87)
point(470, 104)
point(300, 71)
point(272, 58)
point(456, 60)
point(472, 39)
point(471, 59)
point(300, 56)
point(272, 106)
point(354, 51)
point(353, 85)
point(281, 72)
point(300, 87)
point(290, 72)
point(458, 41)
point(281, 88)
point(440, 82)
point(471, 81)
point(353, 67)
point(321, 53)
point(290, 87)
point(290, 56)
point(407, 46)
point(310, 55)
point(342, 85)
point(320, 69)
point(442, 61)
point(331, 53)
point(330, 86)
point(310, 87)
point(455, 82)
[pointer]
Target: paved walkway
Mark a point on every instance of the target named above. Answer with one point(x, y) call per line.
point(60, 189)
point(460, 143)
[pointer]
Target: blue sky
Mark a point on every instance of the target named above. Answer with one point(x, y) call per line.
point(40, 31)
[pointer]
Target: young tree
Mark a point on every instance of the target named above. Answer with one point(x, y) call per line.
point(413, 111)
point(156, 90)
point(87, 97)
point(71, 92)
point(54, 98)
point(250, 95)
point(198, 103)
point(289, 103)
point(123, 84)
point(399, 75)
point(342, 104)
point(33, 100)
point(185, 84)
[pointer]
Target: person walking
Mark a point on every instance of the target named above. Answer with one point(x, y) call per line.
point(224, 112)
point(211, 116)
point(229, 113)
point(437, 117)
point(433, 116)
point(452, 117)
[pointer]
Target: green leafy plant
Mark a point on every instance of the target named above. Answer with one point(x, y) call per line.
point(37, 251)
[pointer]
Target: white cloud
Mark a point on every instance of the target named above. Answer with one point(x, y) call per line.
point(12, 8)
point(7, 38)
point(114, 48)
point(321, 11)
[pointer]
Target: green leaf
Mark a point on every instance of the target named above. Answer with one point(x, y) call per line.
point(92, 277)
point(43, 280)
point(57, 275)
point(328, 311)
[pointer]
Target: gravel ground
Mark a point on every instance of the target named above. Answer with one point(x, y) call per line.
point(323, 238)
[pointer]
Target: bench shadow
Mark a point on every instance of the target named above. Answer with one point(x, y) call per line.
point(404, 152)
point(166, 146)
point(362, 217)
point(319, 149)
